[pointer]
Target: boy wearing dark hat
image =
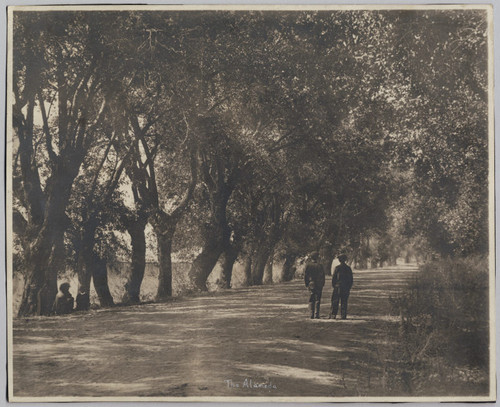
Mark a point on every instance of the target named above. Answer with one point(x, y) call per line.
point(314, 277)
point(341, 283)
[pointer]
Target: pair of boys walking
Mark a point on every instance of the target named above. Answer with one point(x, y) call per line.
point(341, 282)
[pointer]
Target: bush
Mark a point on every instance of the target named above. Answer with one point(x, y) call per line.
point(444, 320)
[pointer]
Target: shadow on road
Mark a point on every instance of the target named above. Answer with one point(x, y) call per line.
point(214, 345)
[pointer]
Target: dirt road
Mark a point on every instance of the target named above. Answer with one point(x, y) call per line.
point(222, 344)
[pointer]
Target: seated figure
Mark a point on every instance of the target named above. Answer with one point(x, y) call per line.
point(64, 301)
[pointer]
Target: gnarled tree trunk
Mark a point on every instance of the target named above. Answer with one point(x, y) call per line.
point(229, 258)
point(164, 226)
point(216, 236)
point(363, 253)
point(265, 249)
point(99, 269)
point(37, 290)
point(326, 255)
point(91, 266)
point(259, 263)
point(268, 270)
point(84, 278)
point(138, 242)
point(43, 258)
point(288, 270)
point(205, 262)
point(247, 256)
point(145, 191)
point(85, 263)
point(164, 240)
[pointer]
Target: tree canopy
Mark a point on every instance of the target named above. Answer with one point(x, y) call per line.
point(247, 135)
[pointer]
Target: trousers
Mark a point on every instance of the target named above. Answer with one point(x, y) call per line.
point(314, 303)
point(342, 295)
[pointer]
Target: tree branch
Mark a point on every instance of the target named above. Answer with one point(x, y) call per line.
point(101, 164)
point(19, 223)
point(115, 177)
point(189, 193)
point(205, 171)
point(149, 158)
point(48, 136)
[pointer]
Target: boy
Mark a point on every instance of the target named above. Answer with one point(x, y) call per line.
point(64, 300)
point(314, 273)
point(342, 284)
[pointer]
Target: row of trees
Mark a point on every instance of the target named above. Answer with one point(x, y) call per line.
point(241, 135)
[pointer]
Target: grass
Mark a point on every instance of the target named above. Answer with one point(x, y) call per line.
point(444, 326)
point(117, 277)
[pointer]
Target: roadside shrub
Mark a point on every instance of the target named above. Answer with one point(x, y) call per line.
point(444, 321)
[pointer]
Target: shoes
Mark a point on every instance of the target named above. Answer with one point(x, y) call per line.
point(312, 316)
point(317, 317)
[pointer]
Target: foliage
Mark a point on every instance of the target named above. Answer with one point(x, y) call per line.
point(237, 131)
point(443, 317)
point(443, 137)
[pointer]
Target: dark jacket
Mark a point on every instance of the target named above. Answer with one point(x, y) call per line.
point(342, 276)
point(63, 303)
point(314, 272)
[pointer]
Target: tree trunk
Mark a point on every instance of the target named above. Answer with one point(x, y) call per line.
point(408, 256)
point(45, 298)
point(288, 270)
point(204, 263)
point(100, 278)
point(363, 253)
point(41, 278)
point(249, 254)
point(41, 281)
point(247, 270)
point(259, 264)
point(216, 236)
point(164, 225)
point(229, 258)
point(138, 242)
point(265, 250)
point(326, 259)
point(84, 277)
point(85, 264)
point(46, 295)
point(91, 266)
point(165, 264)
point(268, 270)
point(40, 285)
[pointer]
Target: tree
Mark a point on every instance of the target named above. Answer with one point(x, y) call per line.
point(286, 132)
point(56, 64)
point(446, 158)
point(93, 200)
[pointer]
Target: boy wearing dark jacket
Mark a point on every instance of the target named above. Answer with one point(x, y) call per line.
point(314, 274)
point(341, 283)
point(64, 301)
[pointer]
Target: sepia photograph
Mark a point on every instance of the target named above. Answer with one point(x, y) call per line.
point(250, 203)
